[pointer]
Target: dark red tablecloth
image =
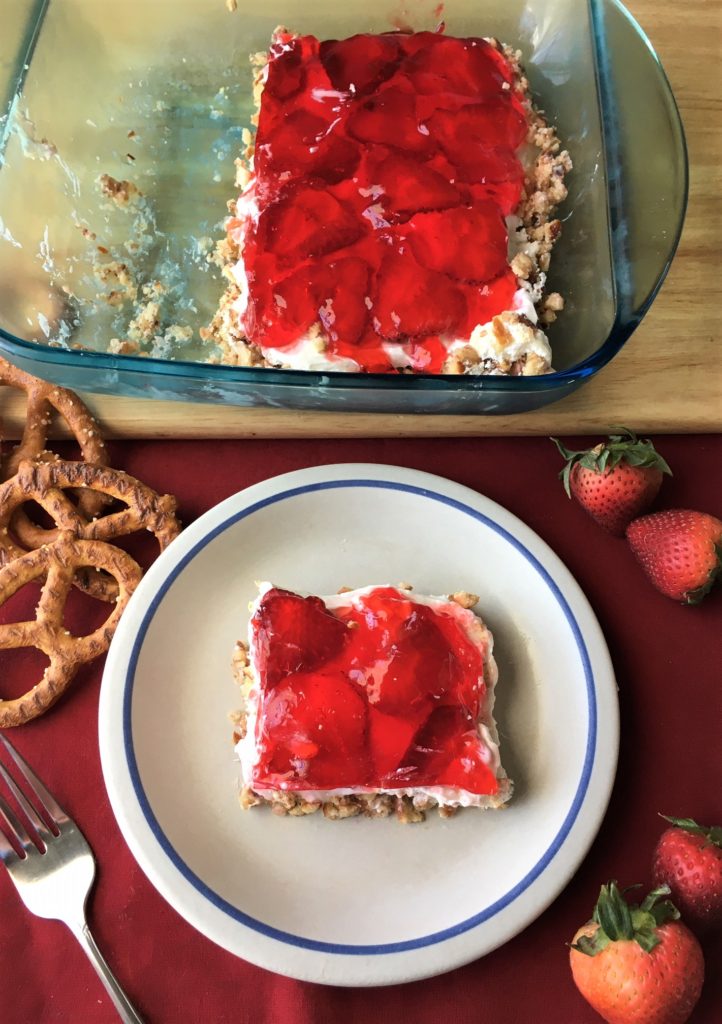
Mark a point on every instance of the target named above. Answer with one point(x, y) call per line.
point(667, 659)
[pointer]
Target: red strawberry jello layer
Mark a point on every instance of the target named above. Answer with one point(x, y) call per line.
point(369, 701)
point(372, 233)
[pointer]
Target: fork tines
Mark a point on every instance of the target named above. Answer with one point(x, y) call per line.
point(39, 808)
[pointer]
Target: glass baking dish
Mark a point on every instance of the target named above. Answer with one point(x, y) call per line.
point(158, 93)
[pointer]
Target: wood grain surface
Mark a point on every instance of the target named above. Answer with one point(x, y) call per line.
point(666, 379)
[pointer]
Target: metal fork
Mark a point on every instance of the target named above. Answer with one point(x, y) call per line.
point(54, 869)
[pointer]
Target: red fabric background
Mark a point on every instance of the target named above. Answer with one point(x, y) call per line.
point(667, 659)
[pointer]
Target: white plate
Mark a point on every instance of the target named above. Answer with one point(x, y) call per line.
point(356, 902)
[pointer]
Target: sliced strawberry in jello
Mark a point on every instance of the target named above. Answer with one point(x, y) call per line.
point(315, 733)
point(411, 300)
point(341, 289)
point(390, 737)
point(469, 244)
point(468, 769)
point(419, 669)
point(304, 145)
point(409, 186)
point(294, 634)
point(497, 123)
point(426, 355)
point(463, 67)
point(433, 745)
point(293, 307)
point(389, 117)
point(332, 293)
point(363, 61)
point(307, 222)
point(492, 173)
point(286, 73)
point(447, 751)
point(483, 301)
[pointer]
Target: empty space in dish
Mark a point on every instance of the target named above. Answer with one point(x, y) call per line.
point(158, 94)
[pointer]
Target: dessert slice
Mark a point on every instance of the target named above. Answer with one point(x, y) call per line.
point(370, 701)
point(396, 213)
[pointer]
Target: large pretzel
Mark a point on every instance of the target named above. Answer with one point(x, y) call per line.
point(45, 483)
point(57, 565)
point(42, 399)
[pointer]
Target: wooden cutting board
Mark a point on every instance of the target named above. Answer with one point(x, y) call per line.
point(667, 378)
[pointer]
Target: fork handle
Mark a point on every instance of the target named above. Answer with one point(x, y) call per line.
point(120, 1001)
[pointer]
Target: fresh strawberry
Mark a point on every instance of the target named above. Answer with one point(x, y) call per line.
point(637, 964)
point(688, 858)
point(680, 551)
point(614, 481)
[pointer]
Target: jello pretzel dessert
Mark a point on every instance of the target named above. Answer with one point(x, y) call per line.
point(397, 210)
point(372, 701)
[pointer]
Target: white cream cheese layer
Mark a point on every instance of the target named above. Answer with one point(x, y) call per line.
point(308, 353)
point(248, 752)
point(505, 341)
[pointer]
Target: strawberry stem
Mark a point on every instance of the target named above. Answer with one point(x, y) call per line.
point(613, 913)
point(621, 447)
point(713, 833)
point(620, 921)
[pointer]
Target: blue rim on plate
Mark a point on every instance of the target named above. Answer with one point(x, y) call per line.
point(298, 940)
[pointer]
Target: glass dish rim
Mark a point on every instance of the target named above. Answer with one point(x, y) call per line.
point(265, 377)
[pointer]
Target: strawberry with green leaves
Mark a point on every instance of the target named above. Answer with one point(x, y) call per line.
point(637, 964)
point(688, 858)
point(680, 550)
point(616, 480)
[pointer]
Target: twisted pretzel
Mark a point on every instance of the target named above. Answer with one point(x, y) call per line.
point(58, 564)
point(42, 399)
point(45, 483)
